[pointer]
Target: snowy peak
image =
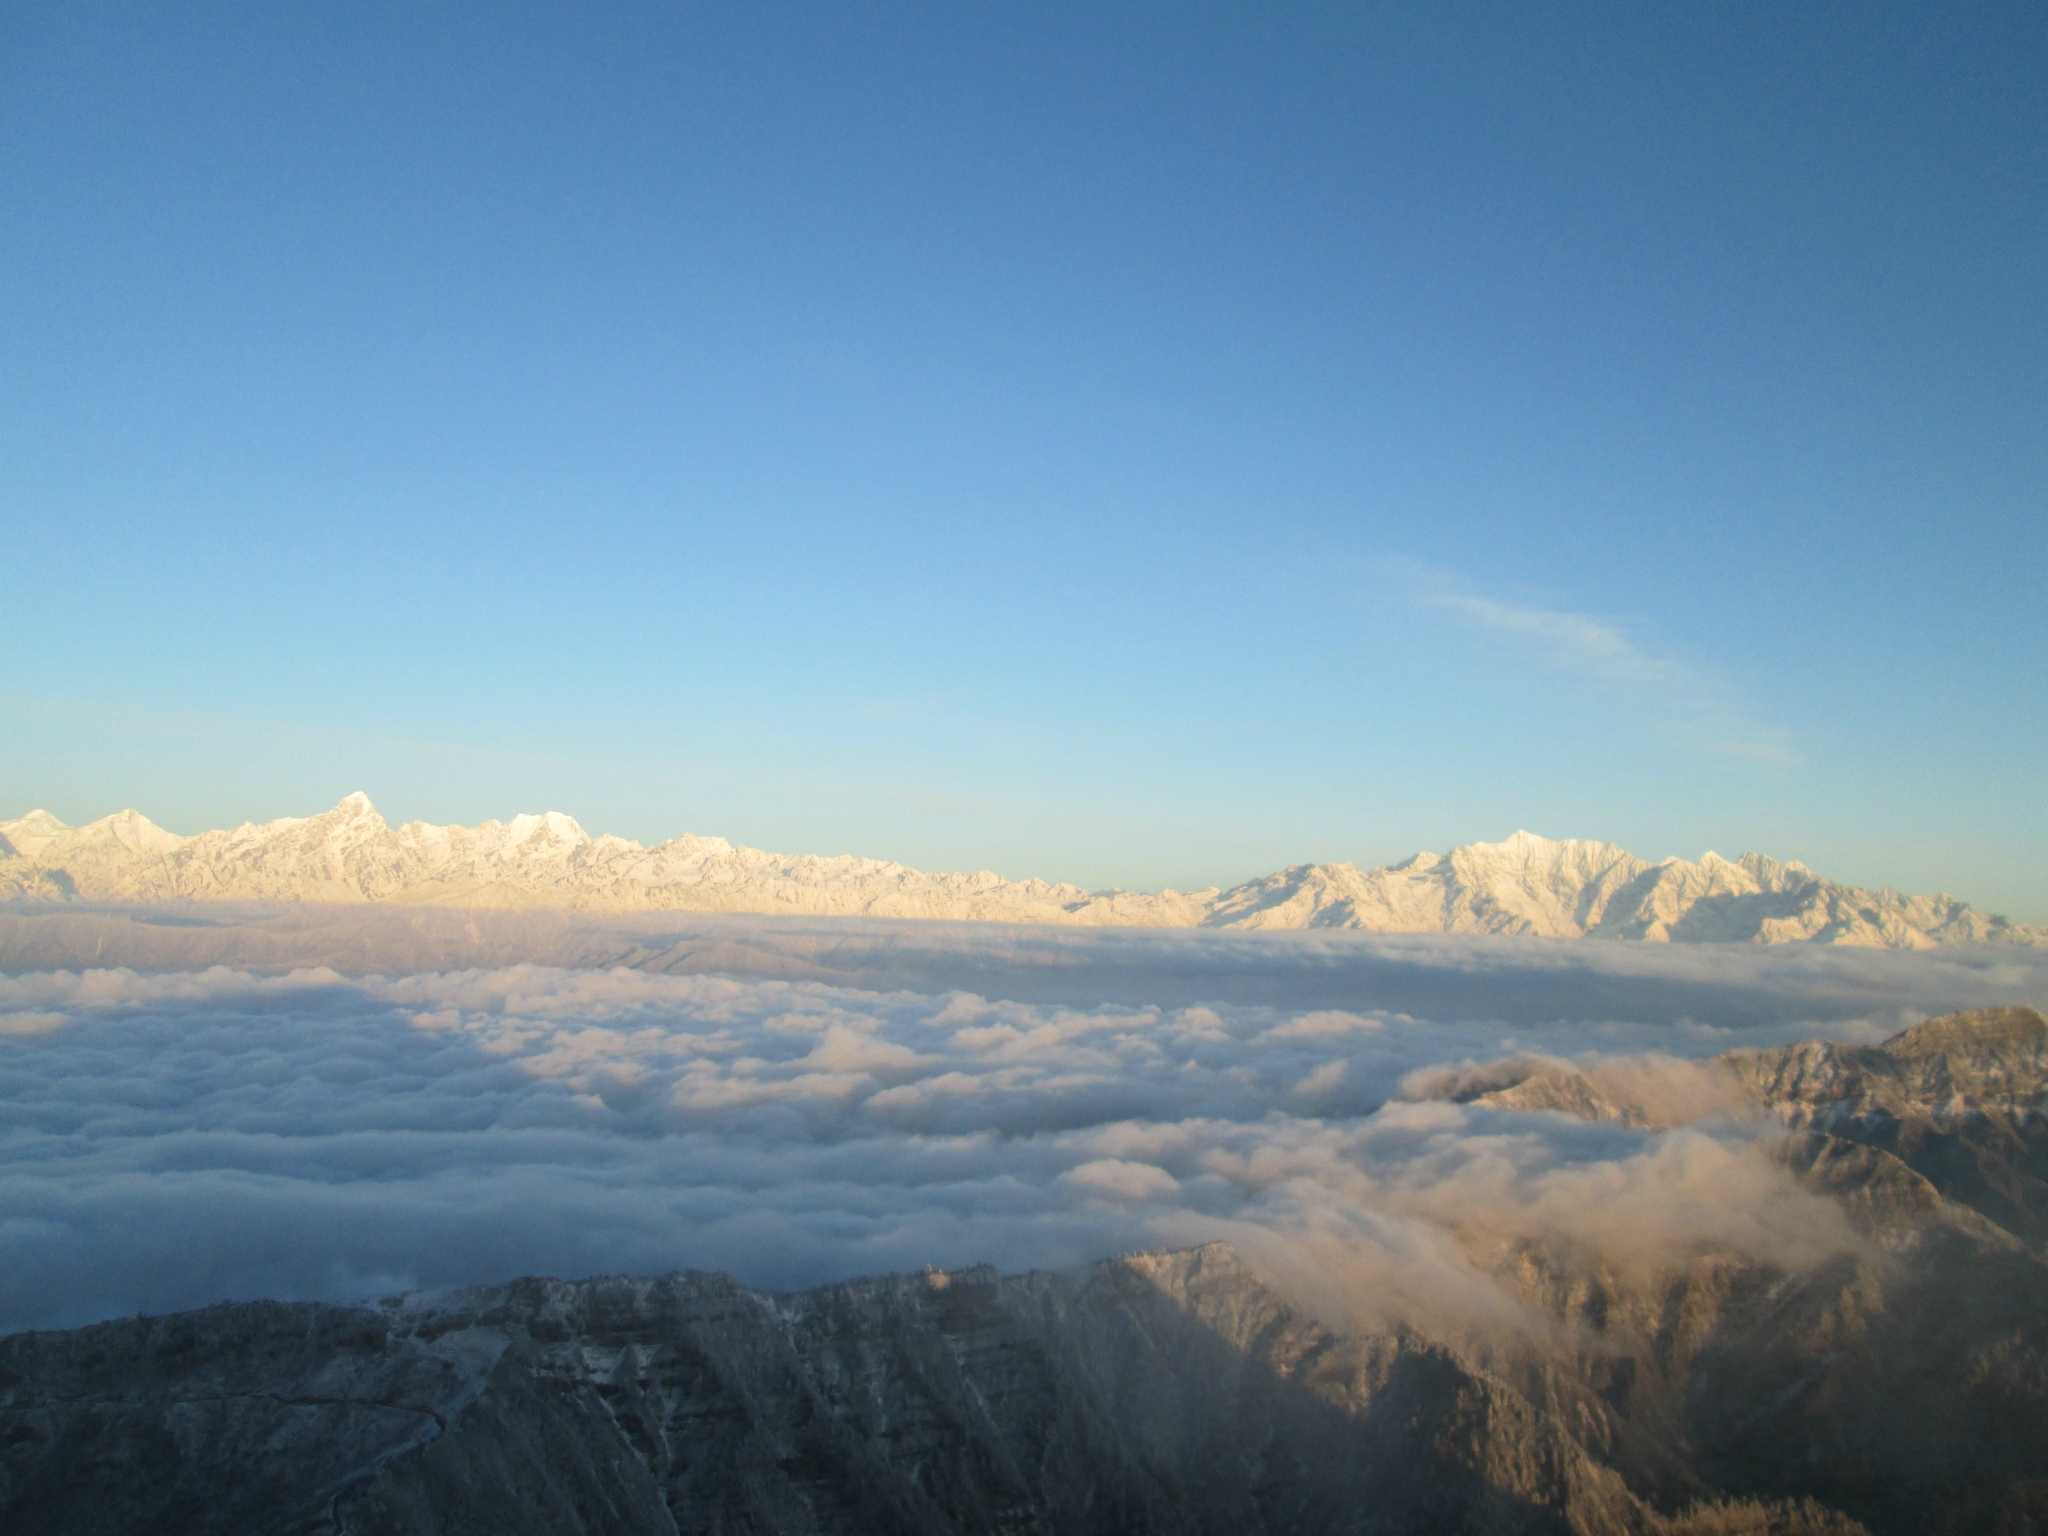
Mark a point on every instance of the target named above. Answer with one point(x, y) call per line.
point(132, 829)
point(28, 835)
point(126, 837)
point(550, 827)
point(1524, 885)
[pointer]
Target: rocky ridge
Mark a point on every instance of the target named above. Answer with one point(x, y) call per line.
point(1526, 885)
point(1954, 1108)
point(1160, 1392)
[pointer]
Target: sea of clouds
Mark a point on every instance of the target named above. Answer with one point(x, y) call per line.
point(175, 1138)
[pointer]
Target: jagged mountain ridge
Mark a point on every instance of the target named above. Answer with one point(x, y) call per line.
point(1962, 1101)
point(1525, 885)
point(1959, 1102)
point(1156, 1393)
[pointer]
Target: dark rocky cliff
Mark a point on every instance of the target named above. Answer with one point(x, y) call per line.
point(1168, 1392)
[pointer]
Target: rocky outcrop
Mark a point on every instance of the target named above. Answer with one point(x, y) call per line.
point(1959, 1102)
point(1526, 885)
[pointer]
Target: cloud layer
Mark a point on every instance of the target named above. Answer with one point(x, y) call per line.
point(174, 1139)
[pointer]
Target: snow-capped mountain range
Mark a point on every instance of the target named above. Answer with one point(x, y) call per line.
point(1525, 885)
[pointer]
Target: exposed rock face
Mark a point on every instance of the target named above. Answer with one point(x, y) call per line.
point(1959, 1104)
point(1158, 1393)
point(1961, 1100)
point(1898, 1387)
point(1526, 885)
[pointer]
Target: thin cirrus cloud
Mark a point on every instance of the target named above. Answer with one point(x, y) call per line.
point(1694, 705)
point(179, 1138)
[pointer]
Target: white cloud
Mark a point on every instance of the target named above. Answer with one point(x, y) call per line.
point(32, 1023)
point(169, 1140)
point(1325, 1079)
point(1125, 1183)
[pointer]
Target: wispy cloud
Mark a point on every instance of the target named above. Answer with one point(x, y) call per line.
point(1694, 705)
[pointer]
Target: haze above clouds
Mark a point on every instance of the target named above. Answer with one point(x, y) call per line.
point(183, 1137)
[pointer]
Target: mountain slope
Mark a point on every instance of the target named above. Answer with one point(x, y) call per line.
point(1956, 1106)
point(1525, 885)
point(1160, 1393)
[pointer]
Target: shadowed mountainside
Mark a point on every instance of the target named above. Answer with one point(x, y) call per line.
point(1167, 1392)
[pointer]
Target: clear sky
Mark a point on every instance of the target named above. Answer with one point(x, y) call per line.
point(1131, 444)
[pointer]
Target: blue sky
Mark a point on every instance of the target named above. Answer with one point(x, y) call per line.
point(1136, 445)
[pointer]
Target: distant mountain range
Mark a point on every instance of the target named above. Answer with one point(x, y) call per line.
point(1525, 885)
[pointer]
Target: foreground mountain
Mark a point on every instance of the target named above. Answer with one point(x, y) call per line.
point(1158, 1393)
point(1526, 885)
point(1895, 1386)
